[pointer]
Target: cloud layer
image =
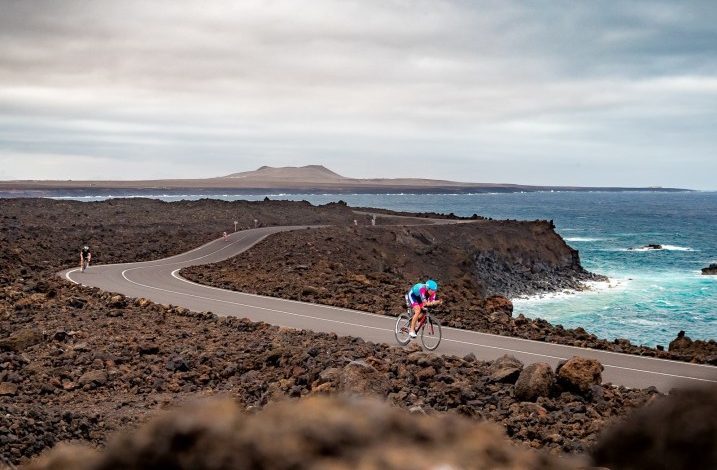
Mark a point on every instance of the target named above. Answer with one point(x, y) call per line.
point(552, 92)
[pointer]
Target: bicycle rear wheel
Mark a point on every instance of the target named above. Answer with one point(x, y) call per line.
point(431, 333)
point(403, 326)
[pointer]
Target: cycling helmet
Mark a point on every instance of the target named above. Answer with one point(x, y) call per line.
point(86, 248)
point(432, 285)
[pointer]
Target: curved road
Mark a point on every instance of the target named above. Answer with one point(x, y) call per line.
point(160, 282)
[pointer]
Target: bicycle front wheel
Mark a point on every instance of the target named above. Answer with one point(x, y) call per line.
point(431, 333)
point(403, 326)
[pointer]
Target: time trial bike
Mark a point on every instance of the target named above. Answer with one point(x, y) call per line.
point(427, 327)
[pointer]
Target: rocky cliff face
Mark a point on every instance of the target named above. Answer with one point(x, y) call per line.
point(525, 258)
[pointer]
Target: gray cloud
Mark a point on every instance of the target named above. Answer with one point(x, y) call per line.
point(539, 92)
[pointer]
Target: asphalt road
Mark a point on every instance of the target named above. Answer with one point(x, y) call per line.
point(160, 282)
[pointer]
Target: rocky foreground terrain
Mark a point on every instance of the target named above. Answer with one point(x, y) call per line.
point(477, 264)
point(346, 433)
point(77, 364)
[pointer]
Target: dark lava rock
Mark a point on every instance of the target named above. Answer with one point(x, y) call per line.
point(536, 380)
point(680, 343)
point(505, 369)
point(76, 302)
point(93, 377)
point(147, 349)
point(704, 350)
point(60, 335)
point(498, 305)
point(118, 301)
point(21, 340)
point(177, 363)
point(8, 389)
point(361, 378)
point(677, 432)
point(710, 270)
point(579, 374)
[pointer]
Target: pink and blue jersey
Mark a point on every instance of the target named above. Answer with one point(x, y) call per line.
point(418, 295)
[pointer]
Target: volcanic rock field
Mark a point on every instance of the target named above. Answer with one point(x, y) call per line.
point(78, 364)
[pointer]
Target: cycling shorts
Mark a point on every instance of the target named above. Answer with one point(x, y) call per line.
point(414, 300)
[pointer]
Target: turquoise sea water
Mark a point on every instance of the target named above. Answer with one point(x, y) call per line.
point(655, 293)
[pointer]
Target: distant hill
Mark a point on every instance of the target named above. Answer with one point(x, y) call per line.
point(304, 179)
point(313, 173)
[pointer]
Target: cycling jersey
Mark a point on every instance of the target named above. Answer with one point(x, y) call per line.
point(85, 253)
point(418, 295)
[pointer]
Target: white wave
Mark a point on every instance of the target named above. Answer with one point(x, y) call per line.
point(663, 248)
point(591, 287)
point(676, 248)
point(583, 239)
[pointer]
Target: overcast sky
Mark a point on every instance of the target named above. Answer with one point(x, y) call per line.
point(554, 92)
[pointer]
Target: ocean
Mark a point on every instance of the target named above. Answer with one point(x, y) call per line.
point(652, 294)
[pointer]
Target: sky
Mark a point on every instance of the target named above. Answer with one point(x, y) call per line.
point(554, 92)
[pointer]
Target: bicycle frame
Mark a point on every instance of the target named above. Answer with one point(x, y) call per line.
point(422, 321)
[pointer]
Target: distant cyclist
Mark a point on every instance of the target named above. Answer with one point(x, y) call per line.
point(85, 257)
point(420, 296)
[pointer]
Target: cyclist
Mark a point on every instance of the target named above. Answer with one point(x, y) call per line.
point(420, 296)
point(85, 257)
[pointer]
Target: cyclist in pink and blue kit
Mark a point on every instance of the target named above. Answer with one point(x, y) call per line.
point(420, 296)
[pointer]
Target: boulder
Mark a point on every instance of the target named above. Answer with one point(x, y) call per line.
point(505, 369)
point(93, 377)
point(76, 302)
point(498, 305)
point(676, 432)
point(147, 349)
point(8, 389)
point(176, 363)
point(536, 380)
point(710, 270)
point(579, 374)
point(360, 378)
point(21, 339)
point(680, 343)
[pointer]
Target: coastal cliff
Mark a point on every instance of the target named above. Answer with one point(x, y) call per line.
point(371, 268)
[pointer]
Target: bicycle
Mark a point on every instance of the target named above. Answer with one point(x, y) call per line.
point(427, 326)
point(85, 264)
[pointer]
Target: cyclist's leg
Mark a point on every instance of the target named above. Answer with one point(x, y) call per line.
point(416, 315)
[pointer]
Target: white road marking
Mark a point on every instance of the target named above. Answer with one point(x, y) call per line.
point(67, 275)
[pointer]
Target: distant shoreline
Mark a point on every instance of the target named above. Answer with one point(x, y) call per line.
point(310, 179)
point(153, 192)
